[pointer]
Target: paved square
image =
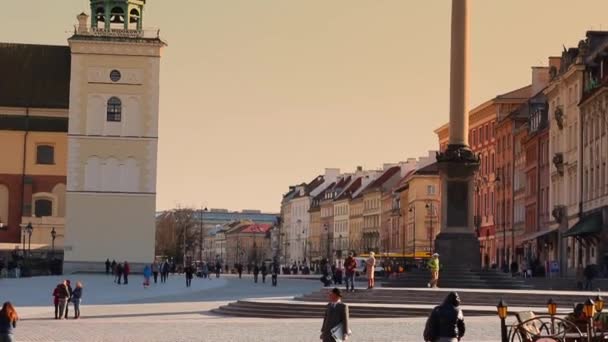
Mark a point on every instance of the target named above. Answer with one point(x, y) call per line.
point(172, 312)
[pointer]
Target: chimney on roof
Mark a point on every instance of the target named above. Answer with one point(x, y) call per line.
point(331, 174)
point(540, 78)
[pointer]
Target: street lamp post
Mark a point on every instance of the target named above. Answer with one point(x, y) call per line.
point(413, 211)
point(327, 231)
point(502, 184)
point(29, 230)
point(431, 208)
point(53, 237)
point(201, 234)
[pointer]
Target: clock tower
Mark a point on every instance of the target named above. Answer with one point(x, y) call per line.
point(112, 137)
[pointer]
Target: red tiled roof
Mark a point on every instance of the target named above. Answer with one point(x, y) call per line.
point(257, 228)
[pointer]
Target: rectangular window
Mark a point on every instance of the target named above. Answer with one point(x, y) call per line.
point(45, 154)
point(430, 190)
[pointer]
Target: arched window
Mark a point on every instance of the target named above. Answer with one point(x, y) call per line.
point(45, 154)
point(134, 16)
point(114, 112)
point(117, 15)
point(43, 207)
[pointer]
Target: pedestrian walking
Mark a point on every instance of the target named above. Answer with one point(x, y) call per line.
point(370, 269)
point(446, 321)
point(434, 268)
point(125, 272)
point(327, 273)
point(264, 271)
point(335, 325)
point(147, 275)
point(108, 265)
point(350, 265)
point(61, 296)
point(218, 269)
point(155, 270)
point(239, 269)
point(205, 271)
point(76, 299)
point(256, 272)
point(119, 270)
point(8, 322)
point(590, 273)
point(164, 273)
point(275, 273)
point(113, 268)
point(189, 271)
point(68, 285)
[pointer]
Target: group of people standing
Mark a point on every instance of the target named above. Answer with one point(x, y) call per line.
point(120, 271)
point(63, 295)
point(274, 270)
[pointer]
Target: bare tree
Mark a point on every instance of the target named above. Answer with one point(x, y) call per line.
point(176, 233)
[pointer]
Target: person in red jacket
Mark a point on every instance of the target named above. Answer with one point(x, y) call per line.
point(61, 296)
point(125, 272)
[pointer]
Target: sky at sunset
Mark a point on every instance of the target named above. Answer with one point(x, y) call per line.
point(257, 95)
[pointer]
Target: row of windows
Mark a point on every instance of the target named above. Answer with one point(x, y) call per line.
point(482, 135)
point(341, 210)
point(595, 182)
point(371, 204)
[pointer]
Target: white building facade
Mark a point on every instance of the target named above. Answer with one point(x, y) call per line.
point(112, 138)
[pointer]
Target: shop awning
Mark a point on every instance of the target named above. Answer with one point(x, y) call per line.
point(537, 234)
point(589, 225)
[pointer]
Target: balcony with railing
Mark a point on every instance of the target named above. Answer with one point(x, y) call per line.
point(144, 33)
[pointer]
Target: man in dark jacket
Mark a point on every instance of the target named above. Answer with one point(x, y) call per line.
point(119, 270)
point(275, 273)
point(264, 271)
point(126, 270)
point(256, 272)
point(69, 290)
point(335, 321)
point(350, 266)
point(108, 264)
point(446, 321)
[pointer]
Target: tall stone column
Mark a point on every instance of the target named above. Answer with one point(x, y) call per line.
point(457, 242)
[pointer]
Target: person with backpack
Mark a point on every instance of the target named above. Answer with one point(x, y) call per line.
point(446, 321)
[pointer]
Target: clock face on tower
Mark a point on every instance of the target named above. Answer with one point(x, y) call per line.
point(115, 75)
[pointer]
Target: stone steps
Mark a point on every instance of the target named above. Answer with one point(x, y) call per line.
point(260, 309)
point(435, 297)
point(459, 278)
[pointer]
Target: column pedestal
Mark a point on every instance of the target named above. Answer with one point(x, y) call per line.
point(457, 243)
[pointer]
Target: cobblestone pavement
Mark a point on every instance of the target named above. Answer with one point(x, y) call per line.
point(173, 313)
